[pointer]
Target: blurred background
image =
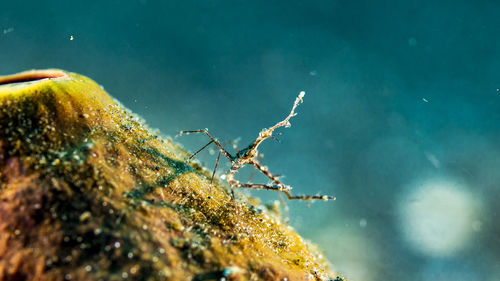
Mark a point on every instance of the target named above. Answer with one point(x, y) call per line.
point(400, 120)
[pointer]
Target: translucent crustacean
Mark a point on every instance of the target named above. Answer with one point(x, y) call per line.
point(248, 156)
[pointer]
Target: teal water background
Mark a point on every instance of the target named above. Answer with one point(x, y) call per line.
point(401, 118)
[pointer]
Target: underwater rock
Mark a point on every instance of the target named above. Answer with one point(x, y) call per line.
point(89, 192)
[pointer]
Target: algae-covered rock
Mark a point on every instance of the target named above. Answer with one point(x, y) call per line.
point(88, 192)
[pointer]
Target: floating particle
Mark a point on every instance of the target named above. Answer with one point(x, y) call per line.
point(433, 159)
point(8, 30)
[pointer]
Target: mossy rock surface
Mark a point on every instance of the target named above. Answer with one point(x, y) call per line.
point(89, 192)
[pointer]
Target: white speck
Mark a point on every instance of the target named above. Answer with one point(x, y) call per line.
point(117, 245)
point(425, 100)
point(363, 223)
point(433, 159)
point(8, 30)
point(313, 73)
point(71, 37)
point(88, 268)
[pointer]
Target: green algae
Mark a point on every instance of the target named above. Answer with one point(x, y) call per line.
point(89, 192)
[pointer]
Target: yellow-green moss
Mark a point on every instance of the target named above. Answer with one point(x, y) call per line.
point(88, 192)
